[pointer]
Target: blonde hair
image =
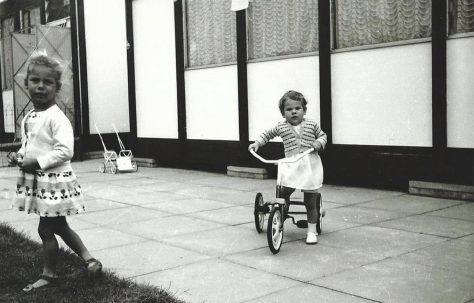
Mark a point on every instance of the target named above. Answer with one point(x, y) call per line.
point(48, 62)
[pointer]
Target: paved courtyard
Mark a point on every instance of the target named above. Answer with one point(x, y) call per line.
point(193, 233)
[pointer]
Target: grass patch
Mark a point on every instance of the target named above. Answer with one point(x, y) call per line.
point(21, 263)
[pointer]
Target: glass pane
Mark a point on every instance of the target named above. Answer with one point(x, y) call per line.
point(366, 22)
point(211, 32)
point(282, 27)
point(461, 16)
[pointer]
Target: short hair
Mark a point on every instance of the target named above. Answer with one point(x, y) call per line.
point(292, 95)
point(48, 62)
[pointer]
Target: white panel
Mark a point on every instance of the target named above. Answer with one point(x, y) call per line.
point(107, 77)
point(269, 80)
point(460, 92)
point(382, 96)
point(212, 110)
point(155, 68)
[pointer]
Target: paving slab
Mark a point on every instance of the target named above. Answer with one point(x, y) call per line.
point(159, 228)
point(113, 217)
point(462, 212)
point(219, 241)
point(377, 241)
point(309, 293)
point(230, 215)
point(188, 205)
point(432, 225)
point(355, 195)
point(362, 215)
point(142, 258)
point(302, 262)
point(105, 238)
point(411, 204)
point(403, 279)
point(217, 281)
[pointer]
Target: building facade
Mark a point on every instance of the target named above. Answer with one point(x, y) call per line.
point(191, 83)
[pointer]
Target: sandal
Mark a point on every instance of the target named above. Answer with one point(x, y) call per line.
point(47, 281)
point(94, 268)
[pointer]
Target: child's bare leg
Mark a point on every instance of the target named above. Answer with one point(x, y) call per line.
point(72, 239)
point(311, 201)
point(50, 245)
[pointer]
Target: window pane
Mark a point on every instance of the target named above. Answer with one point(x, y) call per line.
point(462, 16)
point(365, 22)
point(211, 32)
point(282, 27)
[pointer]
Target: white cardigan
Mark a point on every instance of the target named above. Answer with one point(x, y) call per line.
point(51, 141)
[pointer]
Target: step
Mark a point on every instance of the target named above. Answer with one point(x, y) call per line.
point(442, 190)
point(247, 172)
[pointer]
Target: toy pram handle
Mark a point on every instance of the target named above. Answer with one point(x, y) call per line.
point(283, 160)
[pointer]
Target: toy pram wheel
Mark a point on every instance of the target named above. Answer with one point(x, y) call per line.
point(102, 168)
point(258, 213)
point(134, 166)
point(113, 168)
point(275, 230)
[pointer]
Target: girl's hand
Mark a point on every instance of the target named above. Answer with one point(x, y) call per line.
point(12, 158)
point(317, 146)
point(254, 146)
point(29, 165)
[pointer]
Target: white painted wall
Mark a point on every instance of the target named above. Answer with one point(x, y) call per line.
point(269, 80)
point(155, 68)
point(460, 92)
point(382, 96)
point(106, 52)
point(212, 111)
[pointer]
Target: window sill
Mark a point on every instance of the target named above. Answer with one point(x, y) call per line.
point(381, 45)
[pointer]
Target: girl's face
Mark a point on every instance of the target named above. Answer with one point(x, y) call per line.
point(293, 112)
point(42, 86)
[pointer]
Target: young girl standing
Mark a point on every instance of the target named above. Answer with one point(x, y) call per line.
point(299, 134)
point(47, 185)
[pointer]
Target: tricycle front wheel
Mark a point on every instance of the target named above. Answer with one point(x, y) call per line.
point(275, 230)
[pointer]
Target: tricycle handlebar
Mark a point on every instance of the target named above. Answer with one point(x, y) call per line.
point(283, 160)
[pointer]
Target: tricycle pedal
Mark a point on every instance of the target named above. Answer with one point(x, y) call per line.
point(302, 224)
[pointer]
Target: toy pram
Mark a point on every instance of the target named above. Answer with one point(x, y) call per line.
point(113, 163)
point(279, 209)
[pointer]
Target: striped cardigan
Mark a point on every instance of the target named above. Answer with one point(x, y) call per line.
point(292, 142)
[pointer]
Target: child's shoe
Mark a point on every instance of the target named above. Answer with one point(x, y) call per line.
point(94, 268)
point(311, 236)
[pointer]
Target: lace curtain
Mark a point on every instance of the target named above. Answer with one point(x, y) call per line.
point(282, 27)
point(365, 22)
point(211, 32)
point(463, 16)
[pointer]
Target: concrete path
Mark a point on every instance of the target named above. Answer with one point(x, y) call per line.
point(193, 234)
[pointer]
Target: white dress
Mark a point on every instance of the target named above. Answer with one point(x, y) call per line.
point(305, 174)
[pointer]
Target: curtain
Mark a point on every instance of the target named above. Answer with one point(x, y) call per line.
point(211, 32)
point(365, 22)
point(464, 16)
point(282, 27)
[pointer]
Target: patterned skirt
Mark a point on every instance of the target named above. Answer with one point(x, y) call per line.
point(49, 194)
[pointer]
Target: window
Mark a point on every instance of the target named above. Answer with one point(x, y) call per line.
point(210, 32)
point(461, 16)
point(7, 28)
point(366, 22)
point(282, 27)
